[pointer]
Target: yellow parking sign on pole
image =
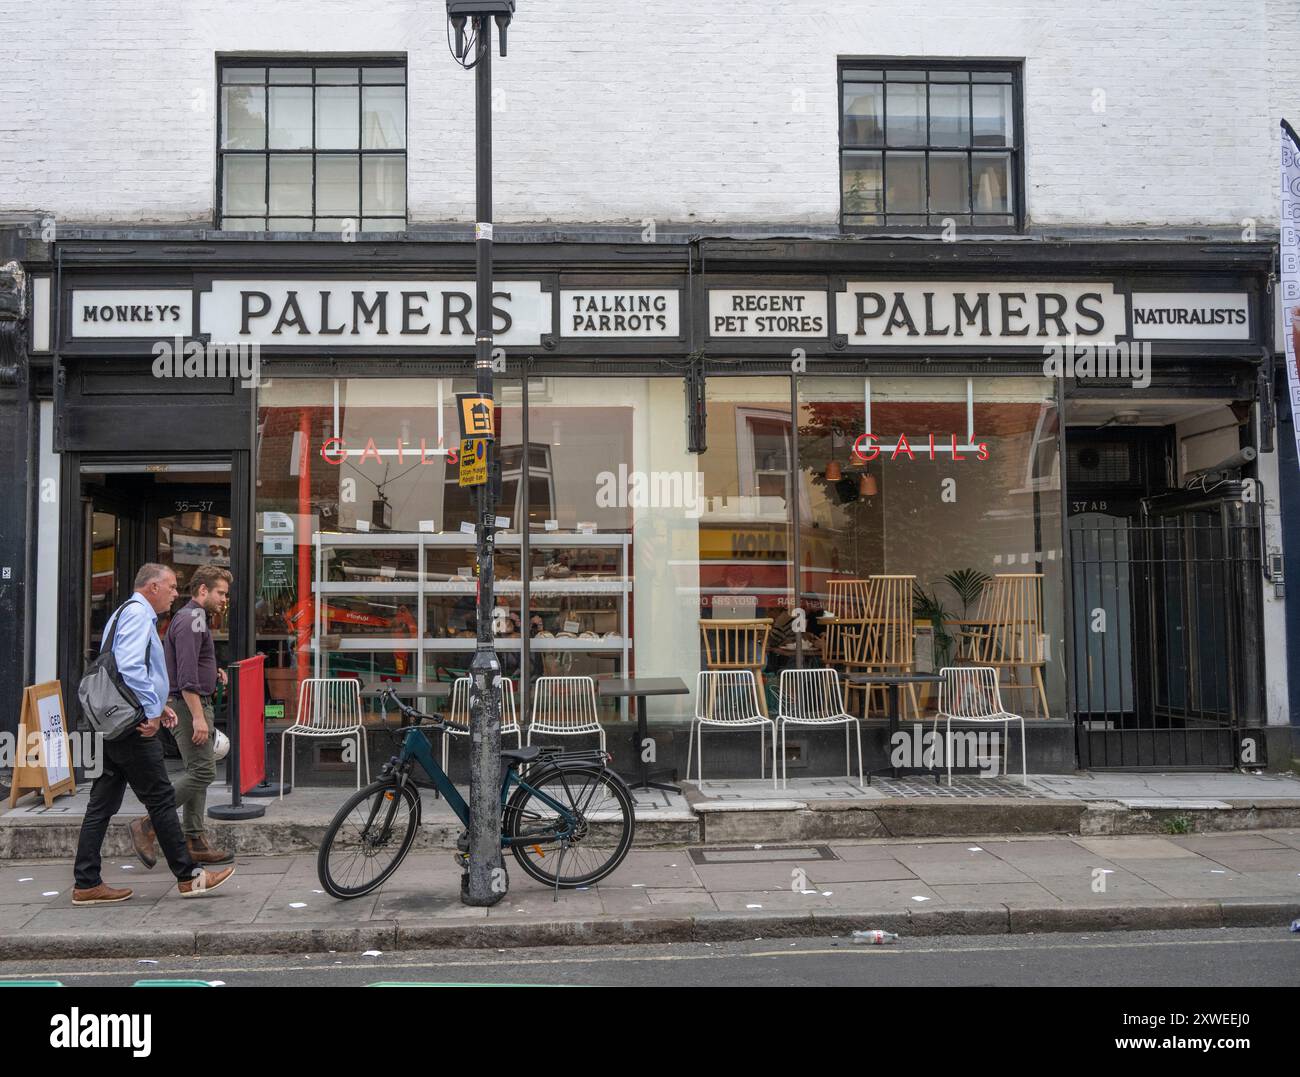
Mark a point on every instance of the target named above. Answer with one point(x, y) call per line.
point(473, 462)
point(476, 415)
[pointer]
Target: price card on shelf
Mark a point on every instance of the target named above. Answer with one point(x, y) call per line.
point(465, 573)
point(572, 626)
point(363, 525)
point(466, 528)
point(552, 525)
point(389, 571)
point(503, 523)
point(428, 525)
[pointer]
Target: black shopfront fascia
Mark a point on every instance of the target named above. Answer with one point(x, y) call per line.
point(107, 403)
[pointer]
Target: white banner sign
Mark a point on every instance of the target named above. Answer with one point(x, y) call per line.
point(1290, 256)
point(1190, 316)
point(602, 312)
point(956, 313)
point(409, 313)
point(766, 312)
point(117, 314)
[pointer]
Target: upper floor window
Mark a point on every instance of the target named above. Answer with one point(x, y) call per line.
point(921, 143)
point(308, 146)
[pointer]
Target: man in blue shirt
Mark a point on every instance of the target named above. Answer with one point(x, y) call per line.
point(137, 758)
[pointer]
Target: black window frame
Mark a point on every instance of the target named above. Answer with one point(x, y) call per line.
point(311, 62)
point(1013, 67)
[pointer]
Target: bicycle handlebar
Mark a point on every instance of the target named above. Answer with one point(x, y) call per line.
point(436, 722)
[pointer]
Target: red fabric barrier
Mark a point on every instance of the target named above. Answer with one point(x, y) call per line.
point(251, 697)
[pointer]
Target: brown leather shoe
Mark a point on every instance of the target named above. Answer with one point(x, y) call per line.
point(204, 882)
point(144, 839)
point(204, 852)
point(103, 894)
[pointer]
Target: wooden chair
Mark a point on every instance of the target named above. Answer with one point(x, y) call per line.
point(738, 645)
point(885, 643)
point(1008, 630)
point(846, 606)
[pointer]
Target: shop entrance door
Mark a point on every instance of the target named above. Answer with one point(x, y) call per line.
point(1166, 665)
point(170, 514)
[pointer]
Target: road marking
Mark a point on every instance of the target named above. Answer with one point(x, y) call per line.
point(856, 951)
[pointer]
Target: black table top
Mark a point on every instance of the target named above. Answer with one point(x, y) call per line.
point(432, 690)
point(642, 686)
point(894, 678)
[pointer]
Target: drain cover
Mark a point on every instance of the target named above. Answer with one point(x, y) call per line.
point(747, 854)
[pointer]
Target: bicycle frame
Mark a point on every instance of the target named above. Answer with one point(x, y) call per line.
point(416, 747)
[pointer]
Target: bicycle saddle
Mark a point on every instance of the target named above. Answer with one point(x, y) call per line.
point(522, 755)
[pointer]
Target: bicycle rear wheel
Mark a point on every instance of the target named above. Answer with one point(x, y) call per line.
point(368, 838)
point(600, 841)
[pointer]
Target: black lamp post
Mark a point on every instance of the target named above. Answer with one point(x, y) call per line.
point(485, 883)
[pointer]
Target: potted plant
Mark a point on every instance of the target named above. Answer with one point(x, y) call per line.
point(968, 583)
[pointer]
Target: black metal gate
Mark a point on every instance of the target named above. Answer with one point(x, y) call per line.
point(1167, 662)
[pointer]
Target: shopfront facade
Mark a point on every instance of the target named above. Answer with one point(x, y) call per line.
point(686, 432)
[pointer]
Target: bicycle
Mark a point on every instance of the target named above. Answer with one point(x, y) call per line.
point(569, 809)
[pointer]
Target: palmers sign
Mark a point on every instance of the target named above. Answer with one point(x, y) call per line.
point(409, 313)
point(957, 313)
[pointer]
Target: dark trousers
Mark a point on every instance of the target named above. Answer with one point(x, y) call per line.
point(138, 762)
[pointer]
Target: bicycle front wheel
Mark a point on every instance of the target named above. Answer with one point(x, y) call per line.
point(596, 846)
point(368, 838)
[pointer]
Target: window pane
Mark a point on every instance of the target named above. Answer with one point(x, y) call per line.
point(290, 117)
point(992, 108)
point(338, 185)
point(290, 224)
point(383, 74)
point(863, 75)
point(290, 185)
point(905, 183)
point(383, 185)
point(245, 186)
point(336, 118)
point(383, 224)
point(336, 75)
point(861, 179)
point(864, 114)
point(991, 76)
point(296, 75)
point(905, 107)
point(243, 118)
point(383, 120)
point(993, 191)
point(240, 224)
point(950, 76)
point(949, 183)
point(905, 76)
point(243, 74)
point(335, 224)
point(949, 115)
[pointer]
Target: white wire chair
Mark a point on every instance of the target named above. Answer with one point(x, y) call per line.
point(729, 699)
point(457, 716)
point(565, 707)
point(327, 707)
point(970, 694)
point(812, 697)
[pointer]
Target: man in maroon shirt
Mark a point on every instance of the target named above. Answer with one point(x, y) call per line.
point(192, 671)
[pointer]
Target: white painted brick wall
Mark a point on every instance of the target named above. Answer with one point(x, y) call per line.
point(669, 109)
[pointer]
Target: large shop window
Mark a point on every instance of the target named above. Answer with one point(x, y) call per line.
point(922, 145)
point(305, 146)
point(363, 569)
